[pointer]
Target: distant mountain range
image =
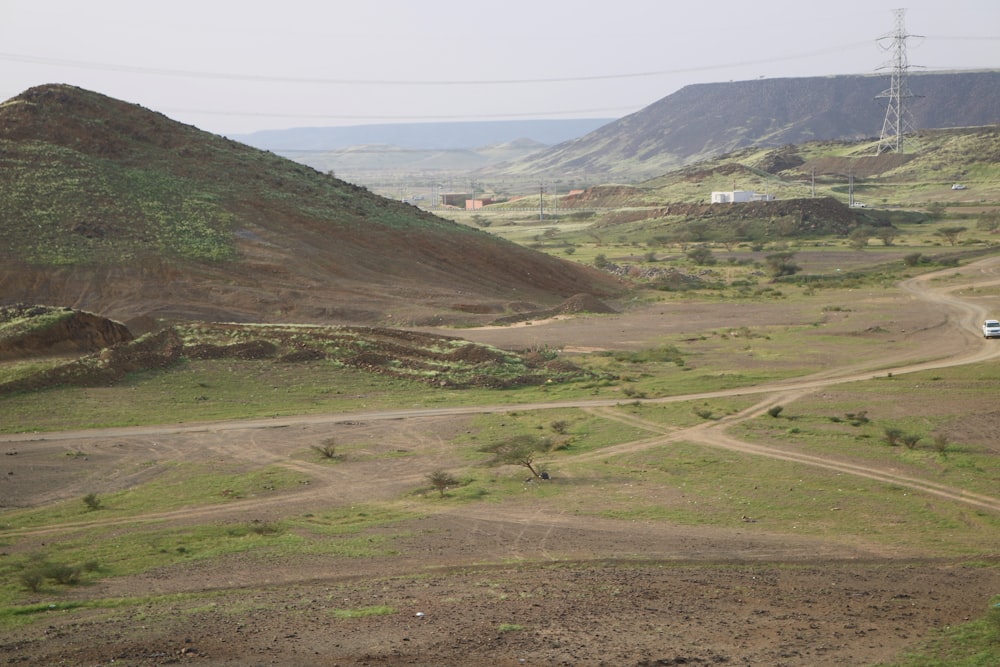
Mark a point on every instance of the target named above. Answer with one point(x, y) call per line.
point(697, 122)
point(418, 136)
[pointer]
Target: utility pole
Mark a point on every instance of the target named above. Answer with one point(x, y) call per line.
point(897, 119)
point(541, 201)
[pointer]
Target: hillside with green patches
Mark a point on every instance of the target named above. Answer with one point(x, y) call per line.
point(119, 210)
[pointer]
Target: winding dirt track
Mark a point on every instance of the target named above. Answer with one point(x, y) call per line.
point(969, 348)
point(589, 591)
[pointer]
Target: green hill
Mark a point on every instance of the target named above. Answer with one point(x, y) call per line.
point(116, 209)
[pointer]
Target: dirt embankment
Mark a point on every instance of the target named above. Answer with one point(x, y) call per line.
point(79, 332)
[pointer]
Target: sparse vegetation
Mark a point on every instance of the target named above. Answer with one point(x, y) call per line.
point(893, 436)
point(327, 449)
point(781, 264)
point(92, 501)
point(442, 481)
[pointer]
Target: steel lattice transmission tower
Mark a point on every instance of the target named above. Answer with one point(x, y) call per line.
point(897, 119)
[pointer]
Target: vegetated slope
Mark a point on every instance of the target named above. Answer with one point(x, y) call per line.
point(706, 120)
point(933, 161)
point(115, 209)
point(71, 347)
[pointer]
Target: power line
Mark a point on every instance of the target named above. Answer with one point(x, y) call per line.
point(528, 114)
point(154, 71)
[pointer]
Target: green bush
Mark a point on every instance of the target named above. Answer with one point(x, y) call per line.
point(92, 501)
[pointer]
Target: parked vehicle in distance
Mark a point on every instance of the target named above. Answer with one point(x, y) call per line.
point(991, 329)
point(958, 186)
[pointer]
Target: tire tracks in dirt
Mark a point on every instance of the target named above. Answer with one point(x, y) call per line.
point(325, 480)
point(713, 434)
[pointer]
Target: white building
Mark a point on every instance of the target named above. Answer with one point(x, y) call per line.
point(739, 196)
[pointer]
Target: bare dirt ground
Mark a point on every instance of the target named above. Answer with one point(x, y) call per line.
point(473, 585)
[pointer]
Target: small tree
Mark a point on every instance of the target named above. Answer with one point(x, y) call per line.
point(701, 255)
point(858, 239)
point(950, 234)
point(989, 222)
point(519, 450)
point(886, 234)
point(780, 264)
point(442, 481)
point(935, 210)
point(92, 501)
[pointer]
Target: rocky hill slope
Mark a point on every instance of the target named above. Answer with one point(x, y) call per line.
point(707, 120)
point(117, 210)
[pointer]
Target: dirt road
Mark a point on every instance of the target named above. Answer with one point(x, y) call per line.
point(527, 585)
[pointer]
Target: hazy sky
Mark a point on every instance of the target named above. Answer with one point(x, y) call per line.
point(236, 66)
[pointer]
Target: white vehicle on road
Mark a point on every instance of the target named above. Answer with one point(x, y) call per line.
point(991, 329)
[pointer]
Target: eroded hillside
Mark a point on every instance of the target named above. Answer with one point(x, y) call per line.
point(115, 209)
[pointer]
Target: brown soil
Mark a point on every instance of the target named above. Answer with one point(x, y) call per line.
point(77, 333)
point(306, 248)
point(483, 584)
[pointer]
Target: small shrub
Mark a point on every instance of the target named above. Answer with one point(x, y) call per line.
point(704, 413)
point(32, 580)
point(911, 440)
point(327, 449)
point(940, 442)
point(857, 418)
point(775, 410)
point(892, 436)
point(258, 527)
point(442, 481)
point(92, 501)
point(61, 573)
point(559, 426)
